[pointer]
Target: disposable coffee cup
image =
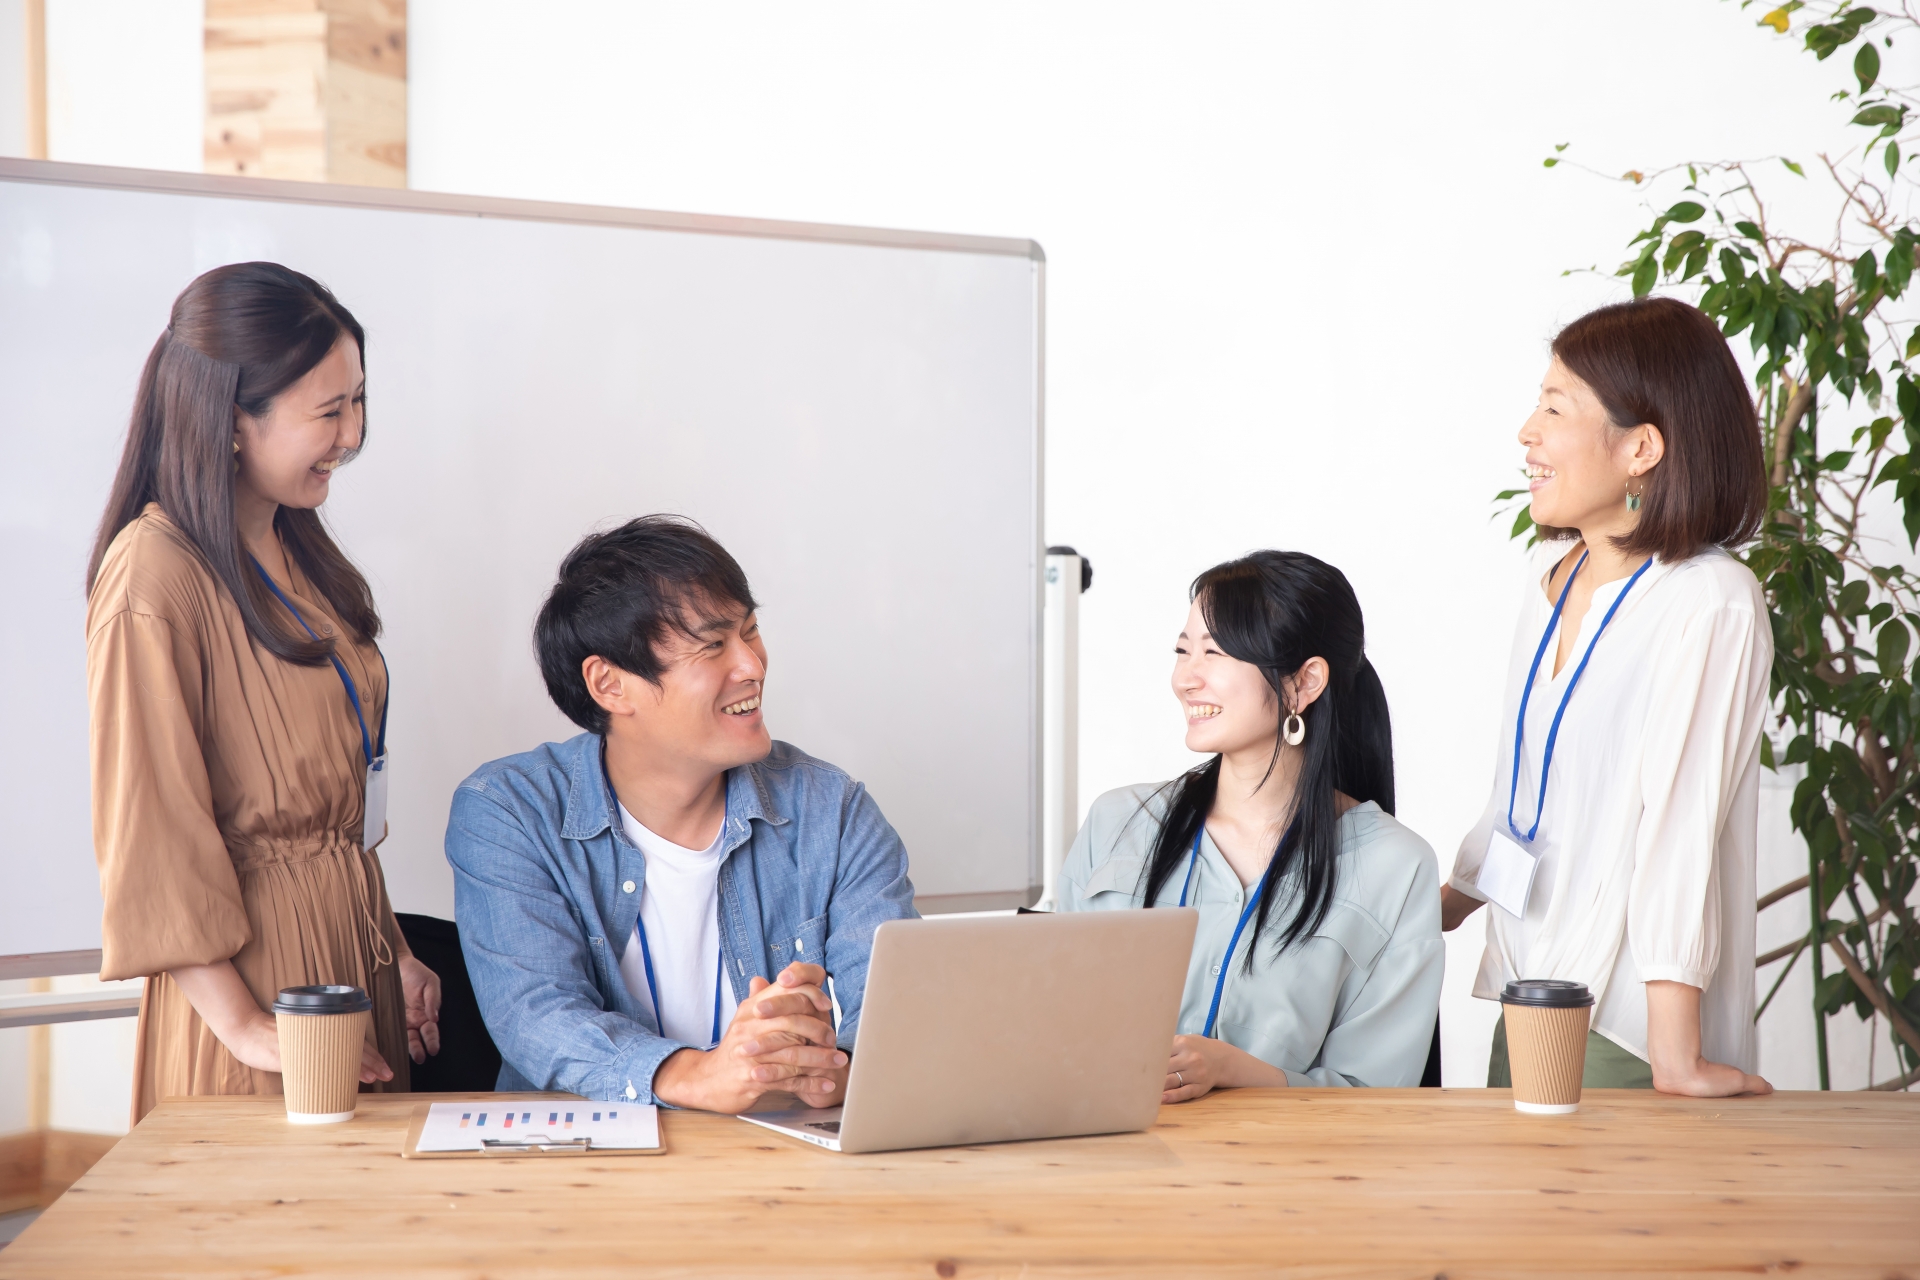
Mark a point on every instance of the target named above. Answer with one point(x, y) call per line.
point(1547, 1020)
point(321, 1031)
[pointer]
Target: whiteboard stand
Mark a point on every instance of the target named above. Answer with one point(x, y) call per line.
point(1068, 575)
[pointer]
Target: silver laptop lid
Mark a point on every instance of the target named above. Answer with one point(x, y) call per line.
point(1007, 1027)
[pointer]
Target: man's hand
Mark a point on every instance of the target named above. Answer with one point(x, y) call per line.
point(781, 1040)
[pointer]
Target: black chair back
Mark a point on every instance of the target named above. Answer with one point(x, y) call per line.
point(468, 1061)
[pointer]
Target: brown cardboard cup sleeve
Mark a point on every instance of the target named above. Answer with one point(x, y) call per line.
point(321, 1032)
point(1547, 1021)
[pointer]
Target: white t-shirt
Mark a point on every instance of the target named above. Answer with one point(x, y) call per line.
point(680, 910)
point(1648, 839)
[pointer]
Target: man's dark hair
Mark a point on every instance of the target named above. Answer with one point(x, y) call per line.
point(620, 593)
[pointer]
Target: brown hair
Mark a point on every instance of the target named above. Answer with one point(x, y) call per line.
point(238, 337)
point(1660, 361)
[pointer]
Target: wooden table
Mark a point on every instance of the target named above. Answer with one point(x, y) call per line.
point(1308, 1182)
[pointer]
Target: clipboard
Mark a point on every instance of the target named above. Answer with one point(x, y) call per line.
point(533, 1142)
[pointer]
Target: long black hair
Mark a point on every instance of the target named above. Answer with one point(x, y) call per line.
point(238, 336)
point(1276, 610)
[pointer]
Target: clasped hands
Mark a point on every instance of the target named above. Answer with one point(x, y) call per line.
point(781, 1040)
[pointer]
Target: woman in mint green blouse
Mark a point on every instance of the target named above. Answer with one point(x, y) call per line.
point(1318, 958)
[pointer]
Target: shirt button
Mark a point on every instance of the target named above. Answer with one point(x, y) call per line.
point(627, 887)
point(799, 944)
point(631, 1095)
point(1215, 971)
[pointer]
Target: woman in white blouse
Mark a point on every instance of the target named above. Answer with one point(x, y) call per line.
point(1618, 845)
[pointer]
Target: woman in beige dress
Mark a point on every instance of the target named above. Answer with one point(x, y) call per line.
point(238, 699)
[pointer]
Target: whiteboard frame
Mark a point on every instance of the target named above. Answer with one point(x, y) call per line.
point(173, 182)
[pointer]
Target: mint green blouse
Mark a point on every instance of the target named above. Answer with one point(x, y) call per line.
point(1352, 1004)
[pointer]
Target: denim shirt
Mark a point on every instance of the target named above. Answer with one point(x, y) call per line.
point(1353, 1004)
point(547, 890)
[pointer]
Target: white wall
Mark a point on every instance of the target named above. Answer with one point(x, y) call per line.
point(13, 79)
point(1303, 264)
point(124, 82)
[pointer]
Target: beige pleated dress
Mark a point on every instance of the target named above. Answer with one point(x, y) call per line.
point(228, 788)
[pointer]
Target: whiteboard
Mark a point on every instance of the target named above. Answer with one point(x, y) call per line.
point(855, 414)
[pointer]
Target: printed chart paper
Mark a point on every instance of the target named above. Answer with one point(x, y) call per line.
point(466, 1126)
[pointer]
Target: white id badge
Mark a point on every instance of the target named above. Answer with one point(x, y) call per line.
point(1506, 874)
point(374, 830)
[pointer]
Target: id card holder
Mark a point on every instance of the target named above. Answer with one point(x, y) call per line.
point(1506, 873)
point(374, 829)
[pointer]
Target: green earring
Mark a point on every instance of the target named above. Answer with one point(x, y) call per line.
point(1633, 499)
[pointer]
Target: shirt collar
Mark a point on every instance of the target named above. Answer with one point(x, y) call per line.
point(590, 802)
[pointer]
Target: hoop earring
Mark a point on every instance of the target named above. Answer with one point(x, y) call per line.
point(1633, 499)
point(1294, 730)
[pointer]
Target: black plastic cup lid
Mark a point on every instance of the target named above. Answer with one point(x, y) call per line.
point(1547, 993)
point(322, 1000)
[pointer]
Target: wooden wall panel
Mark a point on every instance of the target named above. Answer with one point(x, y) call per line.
point(313, 90)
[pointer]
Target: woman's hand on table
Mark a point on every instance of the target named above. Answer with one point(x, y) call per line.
point(1201, 1064)
point(1673, 1048)
point(422, 988)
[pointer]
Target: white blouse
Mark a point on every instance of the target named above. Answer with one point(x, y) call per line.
point(1647, 840)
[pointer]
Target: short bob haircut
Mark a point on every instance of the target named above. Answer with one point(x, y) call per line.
point(1660, 361)
point(620, 593)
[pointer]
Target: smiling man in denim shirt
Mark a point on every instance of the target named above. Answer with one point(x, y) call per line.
point(651, 910)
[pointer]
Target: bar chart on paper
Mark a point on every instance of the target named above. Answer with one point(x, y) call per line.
point(480, 1126)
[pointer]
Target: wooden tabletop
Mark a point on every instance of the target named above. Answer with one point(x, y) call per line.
point(1407, 1182)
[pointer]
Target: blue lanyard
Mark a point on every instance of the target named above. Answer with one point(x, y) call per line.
point(375, 759)
point(1246, 914)
point(646, 952)
point(653, 992)
point(1520, 721)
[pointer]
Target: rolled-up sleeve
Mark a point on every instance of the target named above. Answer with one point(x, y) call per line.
point(172, 897)
point(1709, 701)
point(531, 965)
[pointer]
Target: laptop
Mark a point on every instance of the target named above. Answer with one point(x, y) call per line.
point(996, 1029)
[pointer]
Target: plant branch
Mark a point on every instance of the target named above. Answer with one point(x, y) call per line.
point(1785, 890)
point(1797, 407)
point(1875, 996)
point(1898, 1083)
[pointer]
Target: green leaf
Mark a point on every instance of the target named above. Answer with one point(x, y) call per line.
point(1866, 270)
point(1892, 158)
point(1643, 276)
point(1852, 600)
point(1748, 230)
point(1521, 522)
point(1791, 165)
point(1686, 211)
point(1890, 648)
point(1879, 116)
point(1913, 343)
point(1549, 162)
point(1899, 260)
point(1866, 66)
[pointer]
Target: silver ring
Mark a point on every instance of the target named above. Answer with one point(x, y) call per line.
point(1182, 1079)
